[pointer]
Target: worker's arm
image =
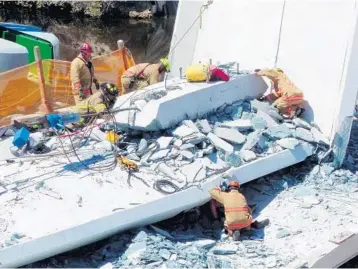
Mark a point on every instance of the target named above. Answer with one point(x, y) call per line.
point(268, 73)
point(217, 194)
point(153, 77)
point(75, 75)
point(98, 104)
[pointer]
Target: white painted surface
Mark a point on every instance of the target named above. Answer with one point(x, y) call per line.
point(12, 55)
point(193, 100)
point(314, 49)
point(182, 55)
point(74, 226)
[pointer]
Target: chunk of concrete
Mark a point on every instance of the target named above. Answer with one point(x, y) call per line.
point(166, 170)
point(164, 141)
point(178, 143)
point(270, 121)
point(225, 249)
point(187, 154)
point(183, 131)
point(302, 123)
point(239, 124)
point(288, 143)
point(205, 243)
point(230, 135)
point(233, 159)
point(161, 154)
point(279, 131)
point(194, 171)
point(247, 155)
point(194, 138)
point(204, 126)
point(220, 143)
point(319, 137)
point(258, 123)
point(191, 125)
point(252, 139)
point(303, 134)
point(140, 104)
point(263, 106)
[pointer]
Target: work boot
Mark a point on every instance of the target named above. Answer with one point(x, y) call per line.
point(260, 224)
point(236, 235)
point(299, 112)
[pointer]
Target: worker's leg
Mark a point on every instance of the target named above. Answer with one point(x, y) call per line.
point(125, 81)
point(213, 208)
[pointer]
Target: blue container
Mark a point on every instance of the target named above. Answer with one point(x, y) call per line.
point(70, 118)
point(21, 137)
point(58, 121)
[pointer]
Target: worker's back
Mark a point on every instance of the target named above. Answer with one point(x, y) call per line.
point(144, 71)
point(93, 104)
point(237, 213)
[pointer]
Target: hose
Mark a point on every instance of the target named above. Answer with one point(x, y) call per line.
point(164, 182)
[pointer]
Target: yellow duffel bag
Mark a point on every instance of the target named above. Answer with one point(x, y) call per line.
point(197, 72)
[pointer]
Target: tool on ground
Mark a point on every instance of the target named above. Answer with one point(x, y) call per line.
point(127, 164)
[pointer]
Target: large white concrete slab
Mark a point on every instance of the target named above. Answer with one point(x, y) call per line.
point(190, 102)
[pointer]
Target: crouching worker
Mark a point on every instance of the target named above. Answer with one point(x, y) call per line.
point(142, 75)
point(285, 96)
point(238, 215)
point(100, 102)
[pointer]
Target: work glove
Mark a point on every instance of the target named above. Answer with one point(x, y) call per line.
point(82, 96)
point(95, 81)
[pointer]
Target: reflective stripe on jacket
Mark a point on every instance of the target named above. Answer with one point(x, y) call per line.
point(237, 212)
point(93, 104)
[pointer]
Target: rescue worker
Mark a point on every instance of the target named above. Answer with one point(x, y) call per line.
point(144, 74)
point(82, 73)
point(238, 215)
point(99, 102)
point(285, 96)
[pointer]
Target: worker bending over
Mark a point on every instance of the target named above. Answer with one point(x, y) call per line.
point(99, 102)
point(286, 97)
point(238, 215)
point(144, 74)
point(82, 73)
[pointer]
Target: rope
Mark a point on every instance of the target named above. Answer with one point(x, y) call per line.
point(158, 186)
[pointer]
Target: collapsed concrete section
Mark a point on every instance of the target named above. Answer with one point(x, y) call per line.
point(164, 105)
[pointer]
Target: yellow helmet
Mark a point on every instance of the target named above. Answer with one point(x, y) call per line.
point(166, 64)
point(278, 70)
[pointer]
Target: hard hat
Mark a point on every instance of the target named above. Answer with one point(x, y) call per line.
point(278, 70)
point(166, 63)
point(86, 47)
point(234, 183)
point(110, 88)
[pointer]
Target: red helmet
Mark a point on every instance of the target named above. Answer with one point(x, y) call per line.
point(234, 183)
point(86, 47)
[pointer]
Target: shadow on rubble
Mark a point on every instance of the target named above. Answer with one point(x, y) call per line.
point(351, 159)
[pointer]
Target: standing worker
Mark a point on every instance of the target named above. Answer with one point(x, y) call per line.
point(142, 75)
point(238, 215)
point(82, 73)
point(286, 97)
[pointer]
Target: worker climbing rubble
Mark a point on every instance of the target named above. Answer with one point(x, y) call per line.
point(238, 215)
point(200, 72)
point(82, 73)
point(285, 96)
point(99, 102)
point(144, 74)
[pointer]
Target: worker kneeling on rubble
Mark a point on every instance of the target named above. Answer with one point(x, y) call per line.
point(286, 97)
point(99, 102)
point(238, 215)
point(142, 75)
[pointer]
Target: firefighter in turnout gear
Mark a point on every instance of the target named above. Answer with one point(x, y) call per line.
point(99, 102)
point(82, 73)
point(285, 96)
point(238, 215)
point(144, 74)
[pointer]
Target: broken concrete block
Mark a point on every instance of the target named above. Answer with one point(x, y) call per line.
point(240, 124)
point(183, 131)
point(140, 104)
point(205, 243)
point(194, 171)
point(178, 143)
point(279, 131)
point(187, 154)
point(161, 154)
point(164, 253)
point(258, 123)
point(301, 123)
point(303, 134)
point(204, 126)
point(133, 157)
point(247, 155)
point(270, 121)
point(220, 143)
point(230, 135)
point(319, 137)
point(2, 190)
point(225, 249)
point(282, 233)
point(164, 142)
point(191, 125)
point(340, 237)
point(187, 146)
point(271, 262)
point(143, 145)
point(288, 143)
point(252, 139)
point(233, 159)
point(289, 125)
point(194, 138)
point(275, 115)
point(166, 170)
point(257, 105)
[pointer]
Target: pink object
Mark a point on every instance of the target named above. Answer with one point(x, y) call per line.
point(213, 207)
point(218, 74)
